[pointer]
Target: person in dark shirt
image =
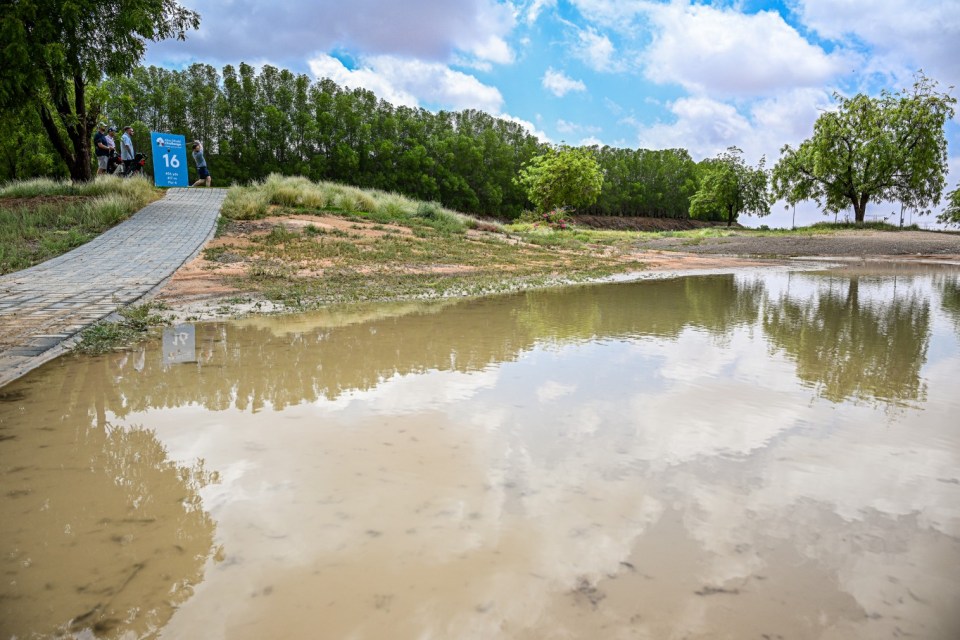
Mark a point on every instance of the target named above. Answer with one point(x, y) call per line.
point(101, 147)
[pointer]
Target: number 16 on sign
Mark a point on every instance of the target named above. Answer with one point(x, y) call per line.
point(169, 159)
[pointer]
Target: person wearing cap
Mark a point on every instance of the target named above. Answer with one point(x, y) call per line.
point(202, 170)
point(126, 148)
point(101, 149)
point(109, 139)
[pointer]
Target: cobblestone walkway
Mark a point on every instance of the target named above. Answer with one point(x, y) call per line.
point(44, 307)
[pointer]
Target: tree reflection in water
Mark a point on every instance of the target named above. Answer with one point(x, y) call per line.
point(949, 285)
point(847, 347)
point(100, 530)
point(279, 362)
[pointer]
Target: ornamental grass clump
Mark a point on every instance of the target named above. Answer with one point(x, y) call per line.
point(294, 191)
point(43, 218)
point(245, 203)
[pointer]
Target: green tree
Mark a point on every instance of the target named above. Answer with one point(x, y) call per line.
point(25, 151)
point(871, 149)
point(951, 214)
point(729, 185)
point(53, 50)
point(561, 178)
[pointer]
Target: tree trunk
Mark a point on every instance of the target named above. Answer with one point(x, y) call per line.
point(730, 216)
point(80, 170)
point(860, 208)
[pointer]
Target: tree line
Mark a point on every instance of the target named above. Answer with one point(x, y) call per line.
point(61, 77)
point(254, 123)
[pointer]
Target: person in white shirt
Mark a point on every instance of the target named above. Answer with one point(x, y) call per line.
point(126, 149)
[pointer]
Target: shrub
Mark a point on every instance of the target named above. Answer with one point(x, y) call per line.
point(555, 219)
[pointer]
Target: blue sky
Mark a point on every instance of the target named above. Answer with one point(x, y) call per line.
point(630, 73)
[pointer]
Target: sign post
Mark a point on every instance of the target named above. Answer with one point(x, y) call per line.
point(169, 159)
point(179, 344)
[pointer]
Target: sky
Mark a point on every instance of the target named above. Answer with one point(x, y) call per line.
point(701, 76)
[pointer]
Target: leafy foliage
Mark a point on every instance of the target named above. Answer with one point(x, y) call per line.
point(566, 177)
point(732, 187)
point(644, 182)
point(54, 50)
point(871, 149)
point(951, 214)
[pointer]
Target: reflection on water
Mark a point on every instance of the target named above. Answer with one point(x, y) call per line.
point(708, 457)
point(100, 529)
point(848, 347)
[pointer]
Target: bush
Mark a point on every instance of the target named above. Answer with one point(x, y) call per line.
point(555, 219)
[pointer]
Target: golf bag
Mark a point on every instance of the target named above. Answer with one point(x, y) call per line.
point(125, 169)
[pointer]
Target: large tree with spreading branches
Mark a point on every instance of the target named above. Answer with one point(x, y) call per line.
point(872, 149)
point(55, 52)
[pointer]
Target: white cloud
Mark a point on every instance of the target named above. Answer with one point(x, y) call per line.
point(597, 51)
point(615, 13)
point(410, 82)
point(559, 84)
point(706, 126)
point(788, 117)
point(564, 126)
point(703, 125)
point(533, 10)
point(722, 51)
point(232, 30)
point(905, 35)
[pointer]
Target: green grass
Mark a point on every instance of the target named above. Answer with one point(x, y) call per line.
point(134, 322)
point(346, 285)
point(291, 193)
point(60, 216)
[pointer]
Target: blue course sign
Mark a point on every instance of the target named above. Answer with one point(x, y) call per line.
point(169, 159)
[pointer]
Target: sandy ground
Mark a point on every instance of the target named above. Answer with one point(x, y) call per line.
point(851, 243)
point(201, 289)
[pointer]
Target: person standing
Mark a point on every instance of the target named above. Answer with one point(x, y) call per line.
point(202, 170)
point(126, 149)
point(101, 149)
point(111, 143)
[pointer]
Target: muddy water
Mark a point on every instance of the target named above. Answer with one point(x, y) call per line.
point(744, 456)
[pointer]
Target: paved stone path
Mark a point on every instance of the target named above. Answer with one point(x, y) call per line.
point(43, 308)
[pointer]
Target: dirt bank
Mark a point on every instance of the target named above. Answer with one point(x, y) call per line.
point(637, 223)
point(212, 285)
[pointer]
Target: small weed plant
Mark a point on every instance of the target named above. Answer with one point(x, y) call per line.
point(133, 324)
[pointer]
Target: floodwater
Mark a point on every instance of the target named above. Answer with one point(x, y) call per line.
point(754, 455)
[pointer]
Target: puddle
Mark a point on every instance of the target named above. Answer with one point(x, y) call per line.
point(755, 455)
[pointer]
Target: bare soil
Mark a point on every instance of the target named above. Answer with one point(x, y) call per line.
point(207, 282)
point(859, 243)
